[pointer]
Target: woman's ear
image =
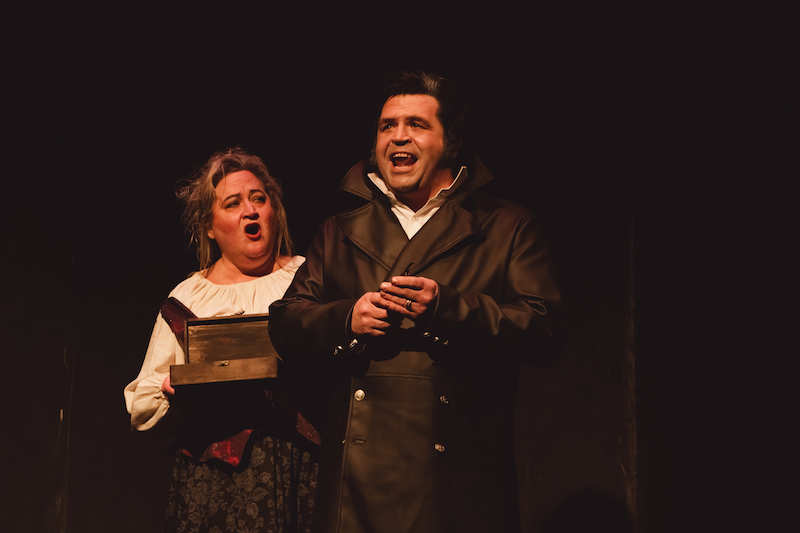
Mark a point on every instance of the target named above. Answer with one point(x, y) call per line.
point(210, 234)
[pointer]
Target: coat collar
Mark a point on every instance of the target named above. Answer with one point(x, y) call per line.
point(375, 230)
point(356, 181)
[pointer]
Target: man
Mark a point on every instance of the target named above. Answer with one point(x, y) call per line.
point(416, 309)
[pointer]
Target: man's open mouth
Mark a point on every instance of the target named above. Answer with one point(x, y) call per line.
point(403, 159)
point(252, 229)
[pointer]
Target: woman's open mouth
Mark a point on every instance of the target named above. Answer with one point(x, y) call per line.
point(252, 229)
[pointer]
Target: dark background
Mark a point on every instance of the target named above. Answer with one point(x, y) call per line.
point(643, 137)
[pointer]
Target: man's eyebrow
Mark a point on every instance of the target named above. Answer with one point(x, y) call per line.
point(416, 118)
point(411, 118)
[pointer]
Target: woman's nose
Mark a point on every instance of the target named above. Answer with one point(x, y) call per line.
point(250, 210)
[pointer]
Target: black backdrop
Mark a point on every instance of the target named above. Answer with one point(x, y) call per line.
point(639, 136)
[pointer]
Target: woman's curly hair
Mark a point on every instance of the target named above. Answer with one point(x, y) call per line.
point(199, 195)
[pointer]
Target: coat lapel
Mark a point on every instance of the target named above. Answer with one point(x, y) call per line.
point(448, 227)
point(374, 229)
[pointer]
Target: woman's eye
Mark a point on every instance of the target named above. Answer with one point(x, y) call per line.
point(231, 205)
point(259, 199)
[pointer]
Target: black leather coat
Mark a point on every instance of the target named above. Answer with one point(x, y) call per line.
point(418, 435)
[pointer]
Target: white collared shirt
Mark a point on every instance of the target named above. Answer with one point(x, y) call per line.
point(410, 220)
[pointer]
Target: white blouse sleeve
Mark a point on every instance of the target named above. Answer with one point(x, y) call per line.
point(146, 402)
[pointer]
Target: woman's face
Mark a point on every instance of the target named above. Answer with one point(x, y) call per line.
point(242, 220)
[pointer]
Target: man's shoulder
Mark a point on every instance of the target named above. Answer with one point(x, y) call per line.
point(347, 210)
point(487, 202)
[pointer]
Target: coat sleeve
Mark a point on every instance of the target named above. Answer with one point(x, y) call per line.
point(308, 322)
point(521, 316)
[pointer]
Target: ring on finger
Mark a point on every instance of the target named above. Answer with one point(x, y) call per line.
point(408, 304)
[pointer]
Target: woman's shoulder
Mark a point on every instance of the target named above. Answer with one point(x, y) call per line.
point(193, 284)
point(197, 281)
point(192, 279)
point(207, 298)
point(294, 263)
point(284, 275)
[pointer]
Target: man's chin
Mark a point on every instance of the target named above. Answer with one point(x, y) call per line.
point(401, 182)
point(393, 170)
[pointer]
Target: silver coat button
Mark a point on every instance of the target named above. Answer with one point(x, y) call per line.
point(444, 399)
point(360, 395)
point(439, 448)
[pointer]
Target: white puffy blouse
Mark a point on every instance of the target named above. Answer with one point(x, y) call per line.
point(145, 401)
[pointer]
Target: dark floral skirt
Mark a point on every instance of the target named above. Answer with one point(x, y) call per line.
point(272, 492)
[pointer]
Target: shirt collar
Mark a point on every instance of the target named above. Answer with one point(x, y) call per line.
point(435, 201)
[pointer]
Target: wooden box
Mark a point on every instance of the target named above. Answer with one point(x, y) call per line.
point(224, 349)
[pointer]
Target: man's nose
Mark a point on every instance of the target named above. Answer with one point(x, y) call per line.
point(400, 136)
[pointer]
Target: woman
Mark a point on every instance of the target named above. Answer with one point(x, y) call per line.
point(234, 213)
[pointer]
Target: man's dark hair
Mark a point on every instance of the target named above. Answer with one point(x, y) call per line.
point(452, 107)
